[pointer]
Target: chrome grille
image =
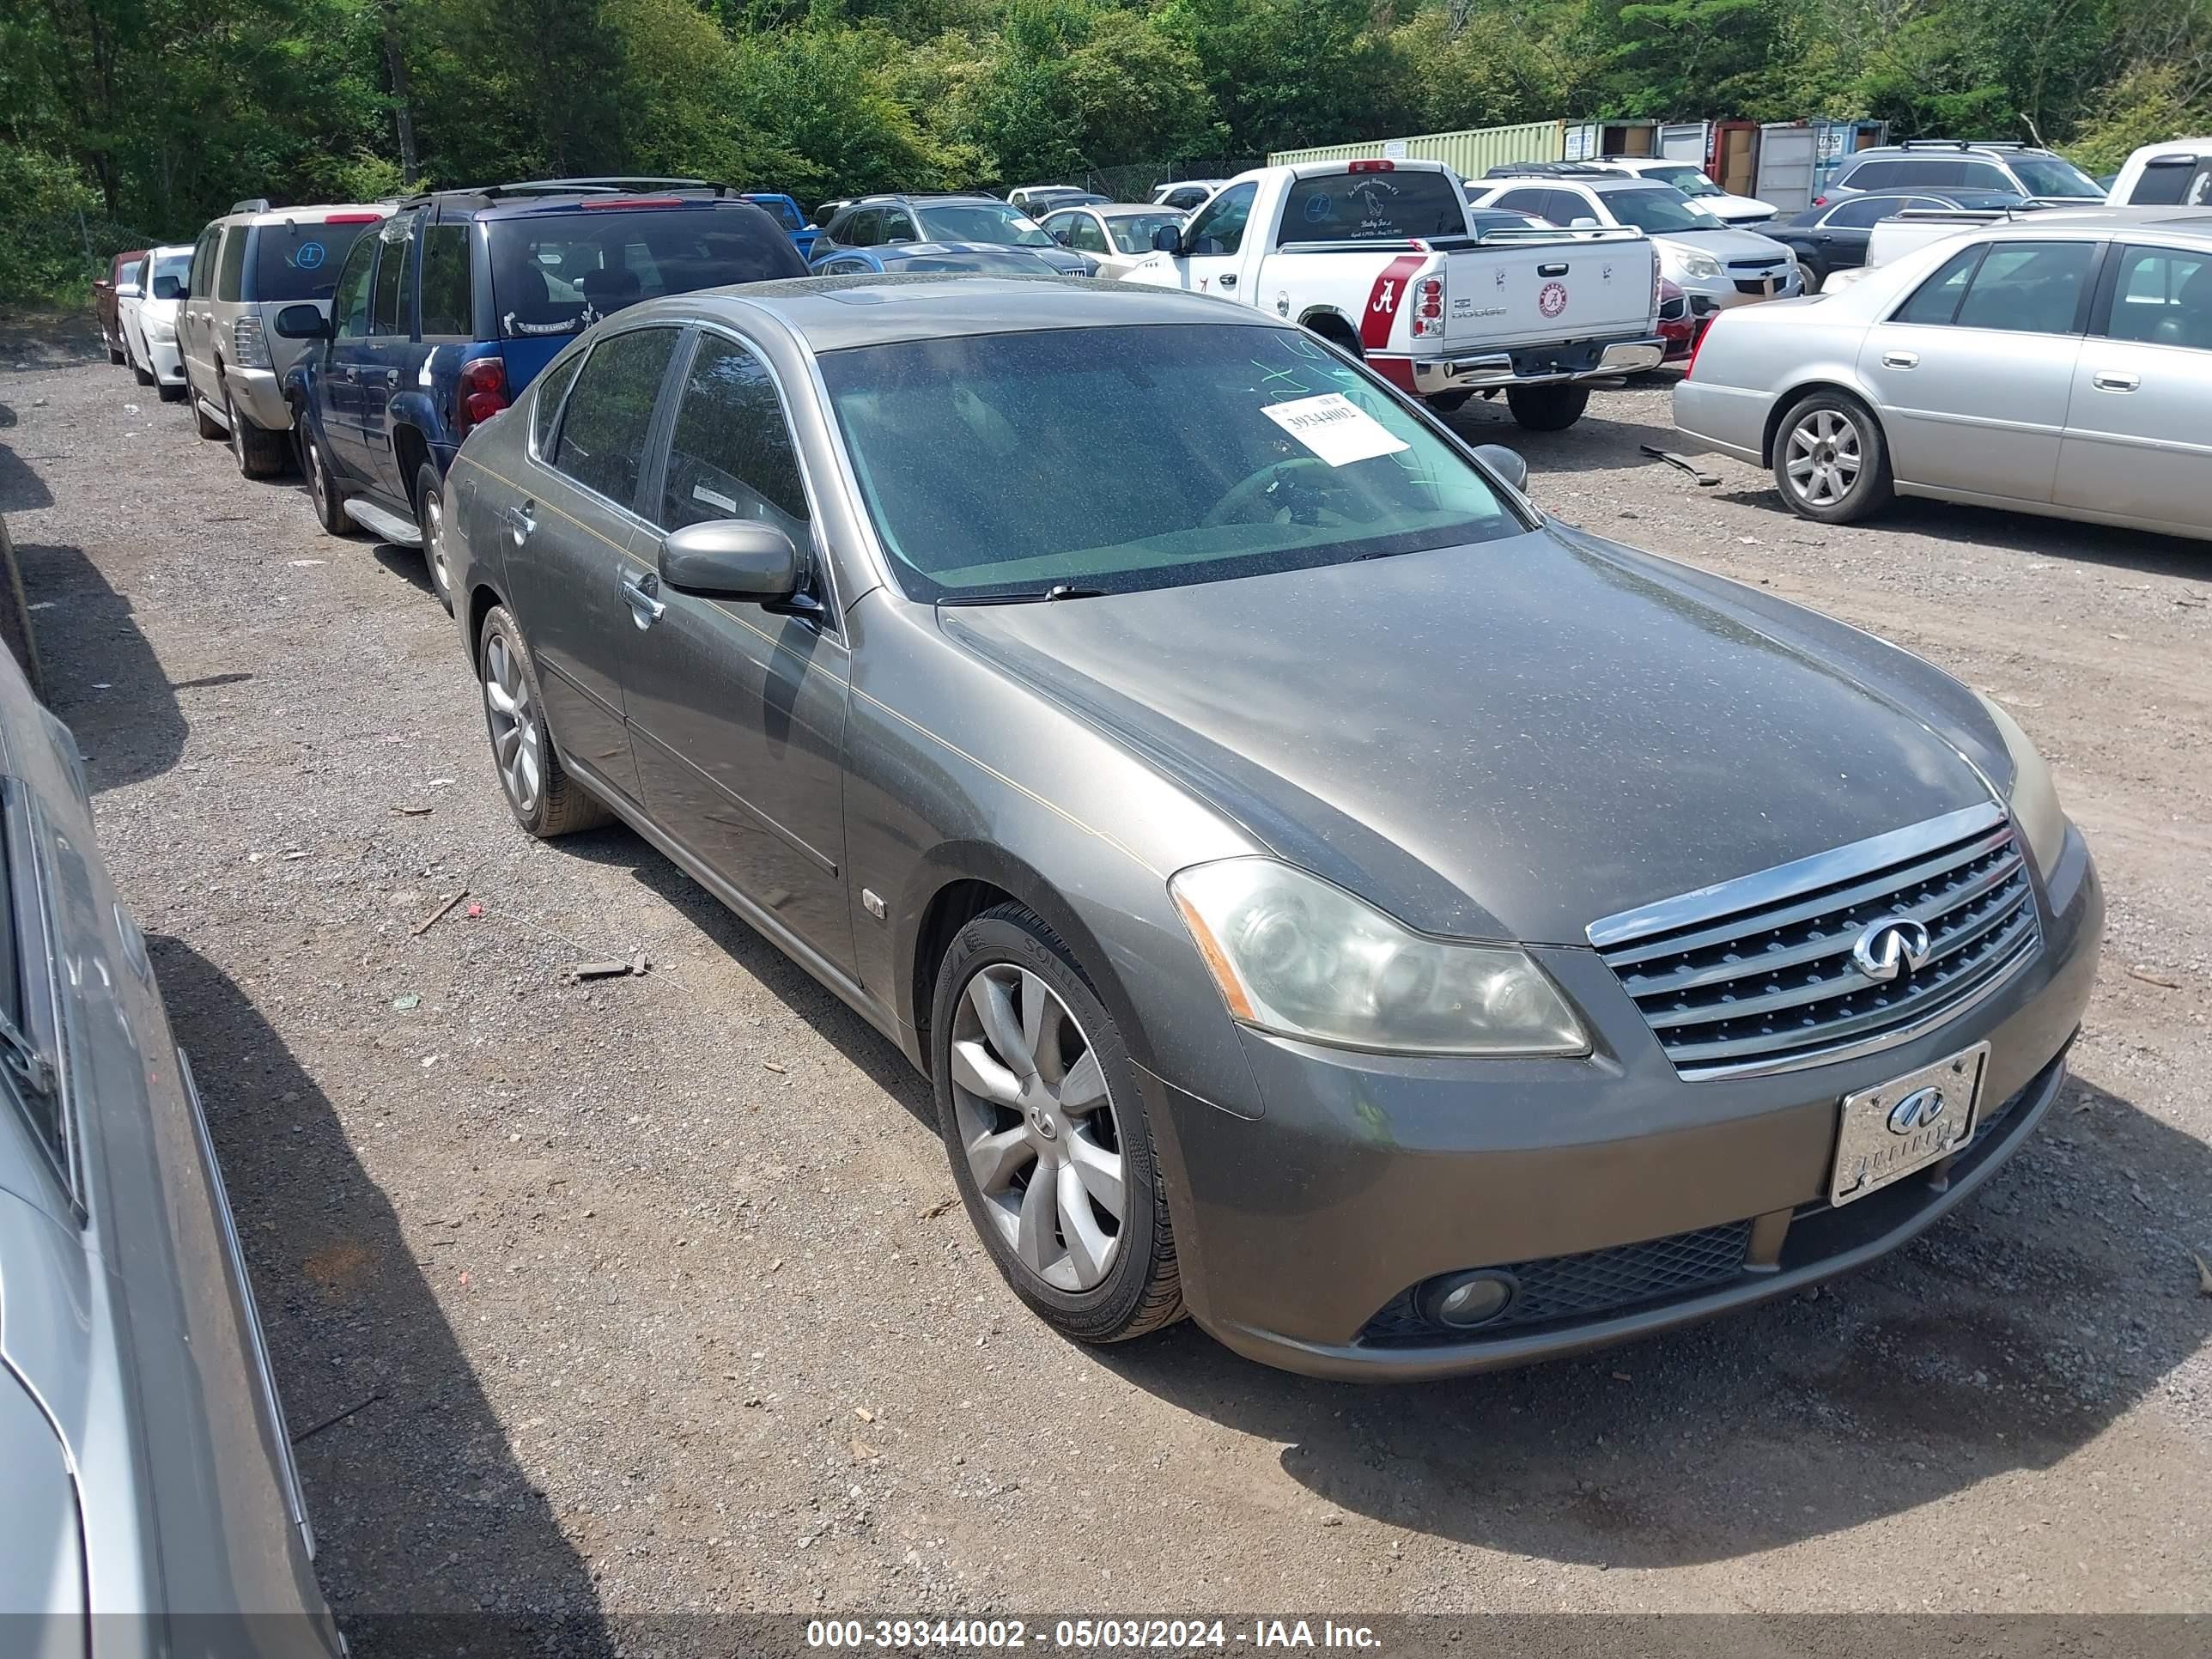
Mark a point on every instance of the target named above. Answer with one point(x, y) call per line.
point(1757, 974)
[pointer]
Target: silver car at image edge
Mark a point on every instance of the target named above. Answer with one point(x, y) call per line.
point(2060, 364)
point(152, 1502)
point(1406, 932)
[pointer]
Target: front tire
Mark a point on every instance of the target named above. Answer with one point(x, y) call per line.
point(430, 520)
point(1038, 1106)
point(1831, 460)
point(139, 371)
point(545, 799)
point(201, 423)
point(1547, 408)
point(322, 484)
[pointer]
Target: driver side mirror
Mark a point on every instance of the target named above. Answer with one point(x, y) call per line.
point(1507, 464)
point(1168, 239)
point(1583, 221)
point(302, 323)
point(732, 559)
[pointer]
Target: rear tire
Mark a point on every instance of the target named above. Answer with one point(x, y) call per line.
point(1547, 408)
point(1073, 1120)
point(115, 354)
point(206, 426)
point(259, 452)
point(1450, 403)
point(430, 520)
point(545, 799)
point(1831, 459)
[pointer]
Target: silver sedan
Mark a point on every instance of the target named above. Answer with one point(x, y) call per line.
point(2062, 366)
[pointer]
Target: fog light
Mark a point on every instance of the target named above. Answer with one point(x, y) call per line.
point(1466, 1300)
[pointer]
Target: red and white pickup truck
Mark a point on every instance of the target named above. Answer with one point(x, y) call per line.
point(1378, 257)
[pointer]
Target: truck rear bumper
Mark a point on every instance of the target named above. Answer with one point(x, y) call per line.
point(1583, 360)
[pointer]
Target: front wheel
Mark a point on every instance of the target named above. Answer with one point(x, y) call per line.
point(1547, 408)
point(1831, 461)
point(1038, 1102)
point(203, 423)
point(322, 484)
point(430, 520)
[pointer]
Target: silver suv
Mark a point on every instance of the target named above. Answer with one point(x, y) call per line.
point(246, 267)
point(1962, 164)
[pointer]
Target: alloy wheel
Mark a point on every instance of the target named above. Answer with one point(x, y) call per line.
point(1823, 458)
point(434, 542)
point(1036, 1123)
point(516, 735)
point(237, 432)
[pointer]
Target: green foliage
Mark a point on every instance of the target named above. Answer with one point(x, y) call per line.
point(157, 113)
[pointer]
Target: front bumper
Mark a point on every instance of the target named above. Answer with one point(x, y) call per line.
point(166, 361)
point(1581, 359)
point(1302, 1232)
point(1710, 296)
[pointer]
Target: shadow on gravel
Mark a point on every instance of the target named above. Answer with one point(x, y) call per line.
point(102, 678)
point(406, 563)
point(421, 1470)
point(2008, 1337)
point(21, 489)
point(867, 1049)
point(1592, 444)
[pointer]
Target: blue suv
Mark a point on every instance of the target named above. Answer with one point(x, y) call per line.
point(444, 314)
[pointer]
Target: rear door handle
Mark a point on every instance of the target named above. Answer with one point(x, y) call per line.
point(639, 589)
point(391, 377)
point(1900, 359)
point(521, 521)
point(2105, 379)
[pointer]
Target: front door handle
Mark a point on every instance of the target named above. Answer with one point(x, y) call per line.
point(521, 521)
point(2107, 379)
point(638, 588)
point(391, 377)
point(1900, 359)
point(1228, 279)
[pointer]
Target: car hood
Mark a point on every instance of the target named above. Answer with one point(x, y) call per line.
point(1725, 242)
point(1508, 739)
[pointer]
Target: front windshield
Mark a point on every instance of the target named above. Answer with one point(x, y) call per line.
point(1685, 179)
point(1658, 210)
point(2053, 175)
point(982, 221)
point(1179, 453)
point(1133, 232)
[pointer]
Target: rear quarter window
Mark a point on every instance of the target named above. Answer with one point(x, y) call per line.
point(230, 269)
point(557, 273)
point(299, 261)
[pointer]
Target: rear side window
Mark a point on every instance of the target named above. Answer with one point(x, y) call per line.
point(203, 262)
point(449, 307)
point(349, 300)
point(559, 273)
point(230, 271)
point(1373, 207)
point(602, 441)
point(547, 408)
point(1857, 214)
point(731, 456)
point(2163, 297)
point(1983, 175)
point(295, 260)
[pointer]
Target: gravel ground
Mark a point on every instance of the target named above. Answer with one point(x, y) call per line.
point(645, 1295)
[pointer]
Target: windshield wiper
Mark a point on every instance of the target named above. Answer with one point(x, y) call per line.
point(1034, 596)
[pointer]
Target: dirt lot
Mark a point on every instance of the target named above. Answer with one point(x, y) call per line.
point(645, 1293)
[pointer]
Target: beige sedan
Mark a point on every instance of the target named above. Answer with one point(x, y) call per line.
point(1117, 234)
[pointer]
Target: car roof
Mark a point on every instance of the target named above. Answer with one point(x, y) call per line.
point(883, 198)
point(2175, 147)
point(835, 314)
point(2168, 222)
point(169, 250)
point(1605, 184)
point(1996, 147)
point(318, 210)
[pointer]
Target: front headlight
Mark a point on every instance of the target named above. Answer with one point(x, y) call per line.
point(2033, 798)
point(1700, 267)
point(1296, 955)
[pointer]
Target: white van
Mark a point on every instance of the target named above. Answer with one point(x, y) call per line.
point(2175, 174)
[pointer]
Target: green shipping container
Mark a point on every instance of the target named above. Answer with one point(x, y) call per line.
point(1470, 154)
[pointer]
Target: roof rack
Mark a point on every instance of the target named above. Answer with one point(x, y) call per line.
point(1962, 143)
point(1548, 169)
point(251, 204)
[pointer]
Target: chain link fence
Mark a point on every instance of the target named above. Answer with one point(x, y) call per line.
point(1135, 182)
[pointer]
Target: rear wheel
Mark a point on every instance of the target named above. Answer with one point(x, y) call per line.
point(260, 452)
point(1450, 403)
point(1831, 461)
point(1038, 1102)
point(1547, 408)
point(431, 519)
point(115, 353)
point(203, 423)
point(545, 799)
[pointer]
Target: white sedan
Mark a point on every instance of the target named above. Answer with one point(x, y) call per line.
point(1117, 234)
point(147, 314)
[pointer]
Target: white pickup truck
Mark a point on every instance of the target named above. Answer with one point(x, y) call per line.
point(1377, 257)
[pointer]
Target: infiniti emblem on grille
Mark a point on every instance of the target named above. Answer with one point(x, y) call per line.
point(1888, 950)
point(1917, 1110)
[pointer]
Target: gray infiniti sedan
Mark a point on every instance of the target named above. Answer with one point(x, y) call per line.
point(2060, 364)
point(152, 1503)
point(1329, 897)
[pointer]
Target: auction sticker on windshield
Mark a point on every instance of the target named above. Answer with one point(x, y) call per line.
point(1335, 428)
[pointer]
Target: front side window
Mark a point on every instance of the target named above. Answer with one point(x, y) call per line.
point(2163, 297)
point(230, 274)
point(349, 300)
point(1935, 301)
point(2029, 288)
point(1084, 234)
point(1985, 175)
point(1278, 456)
point(449, 307)
point(558, 273)
point(1535, 202)
point(602, 435)
point(1373, 207)
point(203, 262)
point(975, 221)
point(1220, 228)
point(731, 454)
point(387, 311)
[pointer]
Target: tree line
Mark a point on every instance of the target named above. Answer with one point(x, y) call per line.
point(128, 119)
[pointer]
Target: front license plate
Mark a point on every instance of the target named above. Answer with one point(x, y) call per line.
point(1906, 1124)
